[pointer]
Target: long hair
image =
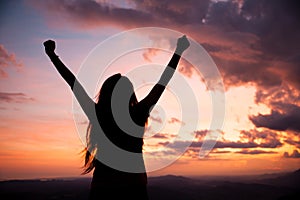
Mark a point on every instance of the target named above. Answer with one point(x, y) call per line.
point(105, 117)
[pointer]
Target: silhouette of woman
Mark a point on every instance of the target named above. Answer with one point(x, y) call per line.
point(108, 182)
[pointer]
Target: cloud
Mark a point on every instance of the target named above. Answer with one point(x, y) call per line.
point(285, 93)
point(274, 45)
point(284, 103)
point(200, 134)
point(163, 143)
point(253, 42)
point(245, 39)
point(186, 68)
point(160, 136)
point(192, 153)
point(142, 13)
point(255, 152)
point(175, 11)
point(252, 142)
point(221, 152)
point(254, 139)
point(15, 97)
point(237, 145)
point(150, 53)
point(269, 57)
point(287, 117)
point(227, 144)
point(92, 14)
point(292, 142)
point(175, 120)
point(295, 154)
point(194, 148)
point(7, 60)
point(156, 119)
point(265, 137)
point(248, 142)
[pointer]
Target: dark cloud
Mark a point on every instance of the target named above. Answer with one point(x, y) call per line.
point(287, 117)
point(273, 52)
point(192, 149)
point(249, 140)
point(15, 97)
point(163, 143)
point(292, 142)
point(285, 109)
point(226, 15)
point(92, 14)
point(160, 136)
point(253, 42)
point(192, 152)
point(175, 11)
point(141, 13)
point(276, 23)
point(228, 144)
point(254, 139)
point(254, 152)
point(156, 119)
point(7, 60)
point(266, 137)
point(221, 152)
point(200, 134)
point(246, 40)
point(272, 96)
point(295, 154)
point(175, 120)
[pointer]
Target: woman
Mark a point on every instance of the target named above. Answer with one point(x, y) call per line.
point(114, 111)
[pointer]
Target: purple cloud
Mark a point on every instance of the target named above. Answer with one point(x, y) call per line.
point(15, 97)
point(285, 118)
point(255, 152)
point(7, 60)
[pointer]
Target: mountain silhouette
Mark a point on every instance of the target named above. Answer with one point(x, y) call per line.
point(264, 187)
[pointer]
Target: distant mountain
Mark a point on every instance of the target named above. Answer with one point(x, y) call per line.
point(283, 187)
point(291, 180)
point(272, 187)
point(45, 189)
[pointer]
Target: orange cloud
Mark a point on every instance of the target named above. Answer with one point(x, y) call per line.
point(149, 53)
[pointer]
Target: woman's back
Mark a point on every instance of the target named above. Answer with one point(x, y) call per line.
point(116, 183)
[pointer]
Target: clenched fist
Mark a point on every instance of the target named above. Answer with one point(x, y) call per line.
point(49, 46)
point(182, 44)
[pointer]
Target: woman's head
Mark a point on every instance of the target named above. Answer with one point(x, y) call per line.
point(119, 87)
point(107, 88)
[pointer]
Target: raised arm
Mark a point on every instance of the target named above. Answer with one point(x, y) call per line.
point(86, 103)
point(151, 99)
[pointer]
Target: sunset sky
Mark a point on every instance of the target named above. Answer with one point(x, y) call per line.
point(254, 44)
